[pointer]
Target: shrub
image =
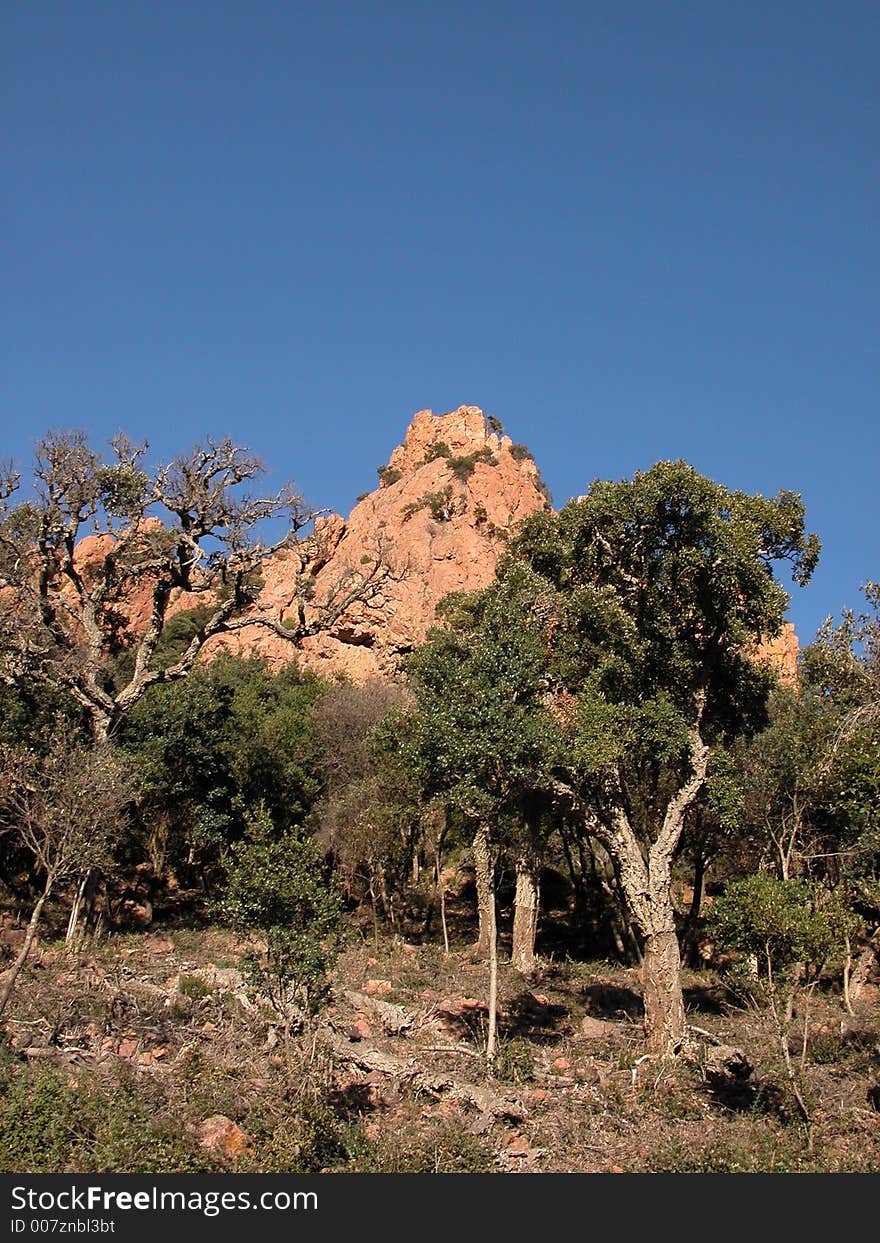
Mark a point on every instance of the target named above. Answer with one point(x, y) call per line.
point(438, 503)
point(463, 467)
point(388, 475)
point(447, 1148)
point(50, 1124)
point(277, 887)
point(782, 921)
point(515, 1062)
point(519, 453)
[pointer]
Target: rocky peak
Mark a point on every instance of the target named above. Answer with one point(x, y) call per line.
point(462, 431)
point(445, 506)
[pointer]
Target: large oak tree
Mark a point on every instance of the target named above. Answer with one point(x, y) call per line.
point(191, 526)
point(650, 596)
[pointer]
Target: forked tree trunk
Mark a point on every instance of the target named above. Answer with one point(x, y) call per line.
point(646, 884)
point(485, 893)
point(525, 916)
point(665, 1026)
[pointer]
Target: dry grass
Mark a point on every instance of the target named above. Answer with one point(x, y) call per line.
point(154, 1026)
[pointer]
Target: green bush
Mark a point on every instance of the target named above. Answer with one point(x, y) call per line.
point(783, 922)
point(515, 1062)
point(388, 475)
point(446, 1148)
point(313, 1139)
point(278, 886)
point(438, 503)
point(463, 467)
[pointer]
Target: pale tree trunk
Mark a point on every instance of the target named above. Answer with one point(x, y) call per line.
point(485, 890)
point(491, 1034)
point(647, 888)
point(441, 890)
point(665, 1025)
point(70, 937)
point(489, 929)
point(15, 970)
point(525, 916)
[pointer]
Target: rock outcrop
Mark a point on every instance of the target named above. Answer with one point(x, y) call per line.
point(781, 654)
point(439, 520)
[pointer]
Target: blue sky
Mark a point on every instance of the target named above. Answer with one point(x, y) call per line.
point(631, 230)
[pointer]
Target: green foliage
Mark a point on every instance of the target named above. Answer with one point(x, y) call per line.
point(438, 450)
point(495, 425)
point(178, 633)
point(783, 922)
point(32, 714)
point(369, 812)
point(521, 453)
point(482, 735)
point(514, 1061)
point(463, 467)
point(123, 489)
point(278, 887)
point(209, 748)
point(388, 475)
point(193, 987)
point(444, 1148)
point(656, 590)
point(49, 1125)
point(310, 1140)
point(439, 504)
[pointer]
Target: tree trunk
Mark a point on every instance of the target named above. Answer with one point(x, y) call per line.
point(665, 1026)
point(485, 891)
point(70, 937)
point(441, 889)
point(493, 978)
point(691, 937)
point(525, 916)
point(15, 970)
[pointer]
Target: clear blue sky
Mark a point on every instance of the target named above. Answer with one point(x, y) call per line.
point(631, 230)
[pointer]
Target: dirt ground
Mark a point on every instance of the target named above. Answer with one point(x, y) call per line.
point(148, 1052)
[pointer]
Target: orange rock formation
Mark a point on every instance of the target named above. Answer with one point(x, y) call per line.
point(438, 520)
point(448, 499)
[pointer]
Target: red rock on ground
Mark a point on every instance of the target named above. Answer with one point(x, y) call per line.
point(223, 1137)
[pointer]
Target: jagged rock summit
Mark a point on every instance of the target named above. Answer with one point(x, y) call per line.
point(439, 520)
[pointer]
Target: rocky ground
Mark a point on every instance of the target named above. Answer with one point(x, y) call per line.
point(149, 1052)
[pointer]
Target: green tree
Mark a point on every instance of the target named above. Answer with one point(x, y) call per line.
point(790, 927)
point(232, 736)
point(482, 735)
point(279, 889)
point(647, 599)
point(189, 526)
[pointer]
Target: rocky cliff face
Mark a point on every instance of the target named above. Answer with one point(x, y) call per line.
point(447, 499)
point(438, 522)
